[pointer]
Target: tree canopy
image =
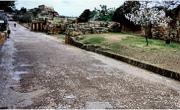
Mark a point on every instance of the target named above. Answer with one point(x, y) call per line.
point(85, 16)
point(7, 5)
point(102, 14)
point(149, 15)
point(119, 15)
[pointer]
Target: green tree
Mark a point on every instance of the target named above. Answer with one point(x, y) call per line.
point(102, 14)
point(85, 16)
point(23, 10)
point(119, 15)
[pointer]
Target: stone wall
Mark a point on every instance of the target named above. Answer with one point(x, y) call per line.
point(55, 28)
point(164, 33)
point(175, 34)
point(94, 27)
point(48, 27)
point(74, 29)
point(159, 32)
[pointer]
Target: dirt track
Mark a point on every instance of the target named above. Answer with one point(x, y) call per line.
point(37, 71)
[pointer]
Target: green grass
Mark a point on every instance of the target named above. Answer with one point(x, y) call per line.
point(153, 43)
point(134, 46)
point(93, 40)
point(131, 41)
point(115, 47)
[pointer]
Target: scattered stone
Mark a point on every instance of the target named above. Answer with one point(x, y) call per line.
point(77, 29)
point(70, 97)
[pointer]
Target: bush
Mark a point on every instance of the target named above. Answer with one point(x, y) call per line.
point(85, 16)
point(25, 18)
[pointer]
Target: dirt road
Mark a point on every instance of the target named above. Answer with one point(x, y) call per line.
point(37, 71)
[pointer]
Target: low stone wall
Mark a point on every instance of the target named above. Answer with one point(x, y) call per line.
point(143, 65)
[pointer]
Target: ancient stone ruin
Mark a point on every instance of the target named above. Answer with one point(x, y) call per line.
point(92, 27)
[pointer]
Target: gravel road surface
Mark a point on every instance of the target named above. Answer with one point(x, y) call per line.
point(38, 71)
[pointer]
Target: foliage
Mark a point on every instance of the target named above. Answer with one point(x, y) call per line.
point(35, 12)
point(119, 15)
point(85, 16)
point(147, 16)
point(5, 5)
point(168, 5)
point(25, 18)
point(172, 8)
point(102, 14)
point(23, 10)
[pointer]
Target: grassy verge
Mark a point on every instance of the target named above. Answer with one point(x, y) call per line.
point(157, 53)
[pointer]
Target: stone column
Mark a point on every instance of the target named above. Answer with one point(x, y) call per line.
point(41, 25)
point(37, 26)
point(33, 26)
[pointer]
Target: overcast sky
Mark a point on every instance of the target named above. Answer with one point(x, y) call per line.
point(69, 7)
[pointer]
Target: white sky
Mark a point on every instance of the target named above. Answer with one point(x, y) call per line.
point(69, 7)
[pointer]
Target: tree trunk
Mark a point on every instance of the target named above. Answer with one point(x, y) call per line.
point(147, 42)
point(168, 35)
point(148, 33)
